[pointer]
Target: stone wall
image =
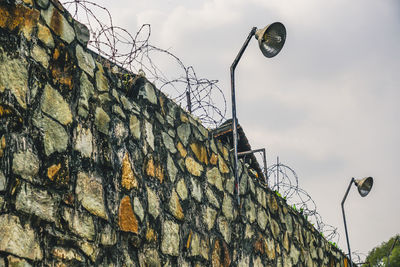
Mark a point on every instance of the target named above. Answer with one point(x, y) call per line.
point(97, 167)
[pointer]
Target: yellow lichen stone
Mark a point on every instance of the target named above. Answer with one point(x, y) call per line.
point(127, 219)
point(193, 167)
point(181, 150)
point(214, 159)
point(222, 165)
point(128, 178)
point(53, 170)
point(154, 169)
point(200, 151)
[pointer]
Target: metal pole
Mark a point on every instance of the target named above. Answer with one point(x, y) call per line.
point(234, 118)
point(344, 220)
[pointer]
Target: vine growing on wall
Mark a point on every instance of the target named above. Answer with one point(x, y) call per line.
point(134, 52)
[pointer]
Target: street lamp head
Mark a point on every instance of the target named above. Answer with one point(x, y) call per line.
point(364, 185)
point(271, 39)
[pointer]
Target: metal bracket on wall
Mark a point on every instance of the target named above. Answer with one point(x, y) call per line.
point(261, 150)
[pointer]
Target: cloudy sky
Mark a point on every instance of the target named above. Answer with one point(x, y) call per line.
point(327, 105)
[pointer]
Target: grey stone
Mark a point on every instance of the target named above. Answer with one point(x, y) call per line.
point(168, 142)
point(171, 168)
point(244, 261)
point(84, 141)
point(170, 238)
point(251, 185)
point(184, 133)
point(261, 197)
point(153, 203)
point(38, 202)
point(149, 134)
point(18, 239)
point(181, 189)
point(79, 223)
point(102, 120)
point(148, 92)
point(55, 136)
point(287, 261)
point(108, 236)
point(14, 76)
point(230, 185)
point(62, 27)
point(86, 92)
point(90, 250)
point(89, 191)
point(26, 165)
point(138, 208)
point(270, 248)
point(212, 198)
point(243, 183)
point(55, 106)
point(101, 80)
point(227, 208)
point(82, 33)
point(134, 126)
point(197, 193)
point(295, 254)
point(250, 210)
point(248, 232)
point(257, 262)
point(214, 177)
point(149, 257)
point(67, 254)
point(262, 218)
point(128, 105)
point(40, 55)
point(119, 131)
point(171, 133)
point(2, 262)
point(43, 3)
point(209, 215)
point(85, 60)
point(195, 245)
point(274, 228)
point(3, 181)
point(16, 262)
point(160, 118)
point(289, 223)
point(118, 110)
point(224, 229)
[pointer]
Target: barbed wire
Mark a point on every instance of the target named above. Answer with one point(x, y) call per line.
point(200, 96)
point(283, 179)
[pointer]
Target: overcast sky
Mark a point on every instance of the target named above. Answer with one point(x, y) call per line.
point(327, 105)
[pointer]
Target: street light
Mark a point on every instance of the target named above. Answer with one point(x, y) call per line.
point(364, 186)
point(271, 40)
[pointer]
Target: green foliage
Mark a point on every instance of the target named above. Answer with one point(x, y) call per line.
point(377, 257)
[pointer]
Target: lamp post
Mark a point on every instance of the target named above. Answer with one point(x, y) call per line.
point(271, 40)
point(364, 186)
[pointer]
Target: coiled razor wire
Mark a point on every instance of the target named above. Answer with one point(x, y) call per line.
point(201, 97)
point(284, 180)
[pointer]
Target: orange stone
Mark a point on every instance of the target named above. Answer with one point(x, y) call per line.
point(53, 170)
point(154, 170)
point(19, 18)
point(181, 150)
point(150, 234)
point(62, 66)
point(150, 169)
point(214, 159)
point(128, 178)
point(127, 220)
point(200, 151)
